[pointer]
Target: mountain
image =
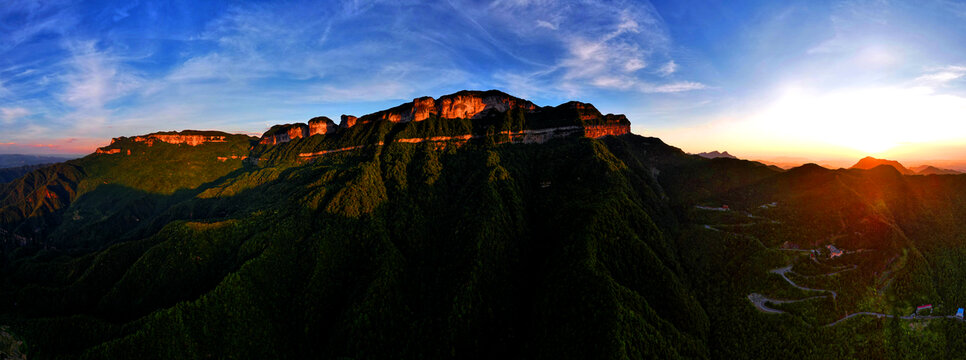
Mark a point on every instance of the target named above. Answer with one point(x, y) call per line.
point(11, 173)
point(515, 232)
point(18, 160)
point(715, 154)
point(932, 170)
point(869, 162)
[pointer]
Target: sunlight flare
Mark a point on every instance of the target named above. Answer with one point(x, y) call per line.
point(870, 120)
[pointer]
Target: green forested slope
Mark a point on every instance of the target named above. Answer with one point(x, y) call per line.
point(576, 248)
point(552, 250)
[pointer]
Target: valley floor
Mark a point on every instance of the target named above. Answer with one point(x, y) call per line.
point(761, 301)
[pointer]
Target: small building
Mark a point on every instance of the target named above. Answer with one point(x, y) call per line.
point(833, 252)
point(959, 313)
point(769, 205)
point(922, 308)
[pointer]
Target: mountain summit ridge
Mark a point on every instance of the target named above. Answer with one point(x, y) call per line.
point(869, 162)
point(473, 105)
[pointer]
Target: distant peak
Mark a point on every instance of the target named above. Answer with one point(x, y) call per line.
point(869, 162)
point(932, 170)
point(715, 154)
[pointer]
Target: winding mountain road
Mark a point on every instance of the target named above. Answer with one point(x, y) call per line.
point(760, 301)
point(782, 271)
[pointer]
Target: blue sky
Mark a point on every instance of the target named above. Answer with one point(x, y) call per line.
point(752, 77)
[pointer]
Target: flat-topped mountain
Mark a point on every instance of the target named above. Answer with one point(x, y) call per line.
point(869, 162)
point(187, 137)
point(479, 111)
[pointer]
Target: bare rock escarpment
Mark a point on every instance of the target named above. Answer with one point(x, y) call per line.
point(465, 104)
point(321, 125)
point(284, 133)
point(123, 145)
point(192, 140)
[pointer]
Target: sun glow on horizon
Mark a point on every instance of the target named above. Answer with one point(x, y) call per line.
point(868, 120)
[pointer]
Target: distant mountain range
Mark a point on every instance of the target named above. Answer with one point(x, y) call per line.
point(15, 160)
point(13, 166)
point(932, 170)
point(715, 154)
point(869, 162)
point(12, 173)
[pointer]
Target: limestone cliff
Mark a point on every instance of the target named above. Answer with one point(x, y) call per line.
point(348, 121)
point(486, 109)
point(465, 104)
point(188, 137)
point(321, 125)
point(284, 133)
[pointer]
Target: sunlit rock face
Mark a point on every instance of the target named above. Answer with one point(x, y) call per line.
point(472, 104)
point(107, 151)
point(193, 140)
point(584, 111)
point(597, 131)
point(347, 121)
point(462, 105)
point(321, 125)
point(186, 137)
point(567, 119)
point(284, 133)
point(422, 108)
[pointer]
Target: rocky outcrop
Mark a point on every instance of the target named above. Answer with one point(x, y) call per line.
point(279, 134)
point(715, 154)
point(347, 121)
point(321, 125)
point(185, 137)
point(284, 133)
point(107, 151)
point(599, 131)
point(462, 105)
point(540, 123)
point(233, 157)
point(584, 111)
point(473, 104)
point(535, 136)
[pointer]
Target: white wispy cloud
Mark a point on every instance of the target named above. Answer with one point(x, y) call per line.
point(547, 24)
point(602, 45)
point(942, 75)
point(124, 11)
point(10, 114)
point(35, 18)
point(674, 87)
point(95, 77)
point(92, 79)
point(668, 68)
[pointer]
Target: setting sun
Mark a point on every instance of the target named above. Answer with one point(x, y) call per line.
point(867, 120)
